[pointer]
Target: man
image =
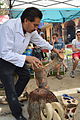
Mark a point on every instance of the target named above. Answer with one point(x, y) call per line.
point(15, 36)
point(76, 52)
point(60, 46)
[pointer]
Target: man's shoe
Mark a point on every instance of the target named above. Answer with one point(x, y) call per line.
point(21, 118)
point(59, 77)
point(72, 74)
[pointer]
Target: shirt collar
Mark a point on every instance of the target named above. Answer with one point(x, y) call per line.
point(19, 28)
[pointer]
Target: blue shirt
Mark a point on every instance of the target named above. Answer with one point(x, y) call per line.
point(59, 45)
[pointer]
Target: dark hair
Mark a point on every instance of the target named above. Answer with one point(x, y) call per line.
point(78, 31)
point(31, 13)
point(39, 29)
point(55, 34)
point(34, 45)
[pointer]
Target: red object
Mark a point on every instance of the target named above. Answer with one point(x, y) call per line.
point(3, 18)
point(76, 55)
point(69, 46)
point(45, 50)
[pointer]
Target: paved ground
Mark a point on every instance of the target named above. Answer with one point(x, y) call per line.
point(59, 85)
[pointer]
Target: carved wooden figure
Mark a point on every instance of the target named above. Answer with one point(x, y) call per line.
point(39, 99)
point(42, 72)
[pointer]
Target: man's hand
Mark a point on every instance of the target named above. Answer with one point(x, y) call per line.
point(61, 51)
point(60, 54)
point(35, 62)
point(55, 50)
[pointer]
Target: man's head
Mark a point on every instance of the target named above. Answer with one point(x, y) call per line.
point(30, 19)
point(78, 34)
point(55, 37)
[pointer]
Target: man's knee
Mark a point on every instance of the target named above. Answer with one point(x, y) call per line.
point(76, 60)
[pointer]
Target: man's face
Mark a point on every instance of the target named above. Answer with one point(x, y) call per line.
point(31, 26)
point(55, 38)
point(78, 35)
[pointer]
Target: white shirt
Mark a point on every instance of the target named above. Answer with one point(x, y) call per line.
point(13, 42)
point(76, 43)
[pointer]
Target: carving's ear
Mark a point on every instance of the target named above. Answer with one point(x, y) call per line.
point(56, 116)
point(49, 113)
point(58, 108)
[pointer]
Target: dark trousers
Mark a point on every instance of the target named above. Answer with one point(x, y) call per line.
point(12, 91)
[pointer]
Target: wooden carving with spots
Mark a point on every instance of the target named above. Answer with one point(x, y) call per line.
point(42, 72)
point(37, 100)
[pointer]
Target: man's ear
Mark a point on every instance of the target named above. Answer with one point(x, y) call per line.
point(25, 20)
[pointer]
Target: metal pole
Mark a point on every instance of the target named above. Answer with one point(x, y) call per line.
point(10, 6)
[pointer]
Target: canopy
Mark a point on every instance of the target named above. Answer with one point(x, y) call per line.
point(53, 15)
point(45, 3)
point(53, 10)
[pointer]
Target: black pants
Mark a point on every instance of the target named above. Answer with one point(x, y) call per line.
point(12, 91)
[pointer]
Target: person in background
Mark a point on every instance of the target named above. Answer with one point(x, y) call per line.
point(15, 35)
point(60, 46)
point(69, 38)
point(76, 52)
point(37, 52)
point(61, 40)
point(42, 35)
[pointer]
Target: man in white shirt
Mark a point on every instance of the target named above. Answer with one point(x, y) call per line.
point(15, 36)
point(76, 52)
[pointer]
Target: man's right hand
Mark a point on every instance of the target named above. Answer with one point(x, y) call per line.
point(55, 50)
point(35, 62)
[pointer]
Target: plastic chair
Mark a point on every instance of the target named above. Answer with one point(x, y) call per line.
point(46, 53)
point(68, 53)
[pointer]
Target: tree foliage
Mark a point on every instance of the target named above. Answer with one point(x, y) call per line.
point(3, 11)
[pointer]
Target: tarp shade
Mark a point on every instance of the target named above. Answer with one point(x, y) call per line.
point(60, 15)
point(52, 15)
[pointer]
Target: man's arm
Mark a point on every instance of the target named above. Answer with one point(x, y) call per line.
point(39, 41)
point(62, 50)
point(7, 50)
point(7, 47)
point(74, 49)
point(55, 50)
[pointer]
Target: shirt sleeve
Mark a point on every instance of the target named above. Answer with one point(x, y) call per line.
point(73, 42)
point(39, 41)
point(7, 48)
